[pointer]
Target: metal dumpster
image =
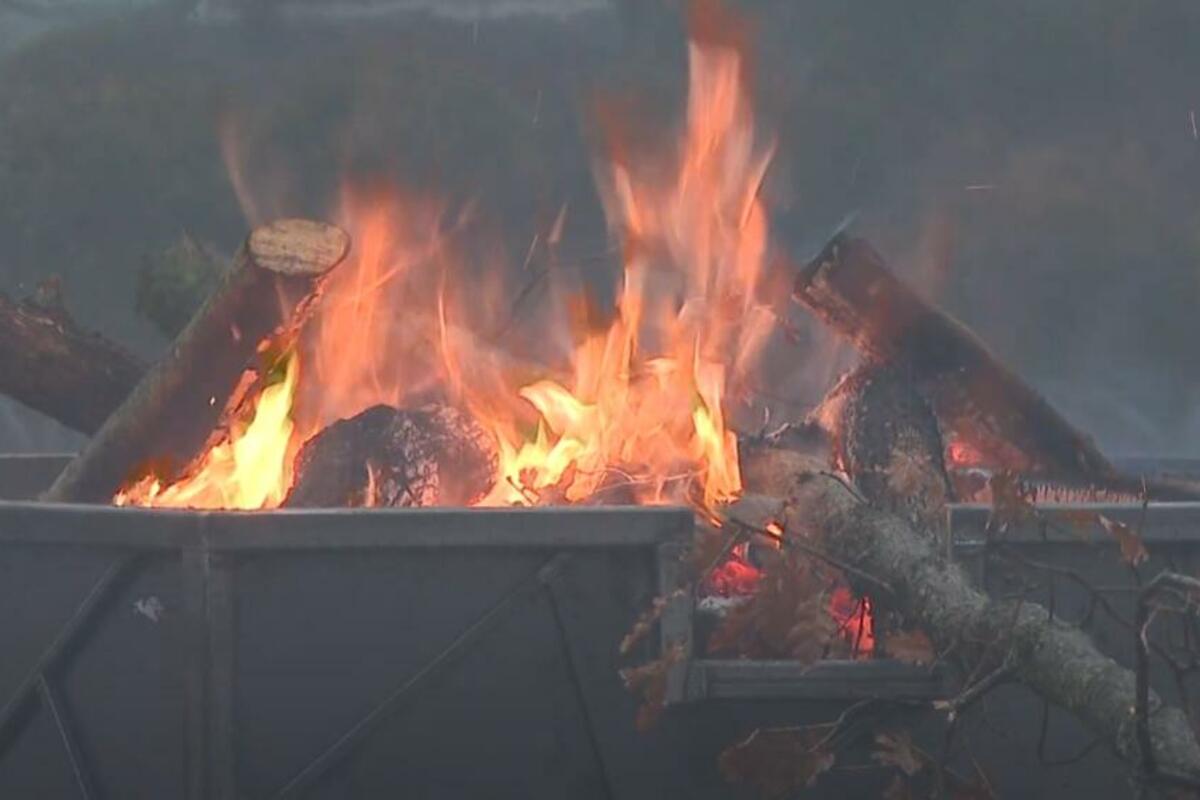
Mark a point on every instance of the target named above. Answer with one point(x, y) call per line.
point(335, 653)
point(365, 653)
point(436, 654)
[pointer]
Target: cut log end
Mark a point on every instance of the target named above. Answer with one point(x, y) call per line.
point(298, 247)
point(166, 420)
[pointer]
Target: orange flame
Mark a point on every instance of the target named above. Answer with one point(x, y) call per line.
point(640, 407)
point(646, 395)
point(250, 468)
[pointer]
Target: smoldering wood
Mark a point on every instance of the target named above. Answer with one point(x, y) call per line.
point(885, 437)
point(1054, 658)
point(162, 425)
point(849, 287)
point(51, 365)
point(429, 456)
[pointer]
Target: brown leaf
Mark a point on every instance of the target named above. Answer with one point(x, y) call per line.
point(777, 762)
point(649, 682)
point(645, 622)
point(1011, 501)
point(1133, 550)
point(897, 750)
point(911, 647)
point(787, 616)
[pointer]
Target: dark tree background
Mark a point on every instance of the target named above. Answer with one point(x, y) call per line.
point(1032, 164)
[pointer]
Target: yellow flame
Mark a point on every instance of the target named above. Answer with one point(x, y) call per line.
point(251, 469)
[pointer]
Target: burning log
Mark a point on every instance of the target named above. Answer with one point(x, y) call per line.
point(430, 456)
point(51, 365)
point(851, 290)
point(1052, 657)
point(173, 410)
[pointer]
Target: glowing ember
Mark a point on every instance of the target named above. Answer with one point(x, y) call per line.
point(737, 577)
point(856, 622)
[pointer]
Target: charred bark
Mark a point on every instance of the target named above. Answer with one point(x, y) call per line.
point(430, 456)
point(51, 365)
point(173, 411)
point(885, 437)
point(851, 290)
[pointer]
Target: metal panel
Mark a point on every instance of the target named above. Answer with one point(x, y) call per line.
point(829, 680)
point(244, 581)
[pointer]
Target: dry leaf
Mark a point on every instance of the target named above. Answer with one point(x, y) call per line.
point(1011, 501)
point(645, 622)
point(911, 647)
point(649, 682)
point(897, 750)
point(776, 762)
point(1133, 550)
point(787, 617)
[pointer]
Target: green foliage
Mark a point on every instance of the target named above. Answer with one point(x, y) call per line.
point(173, 283)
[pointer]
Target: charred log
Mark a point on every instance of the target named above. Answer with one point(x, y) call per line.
point(885, 437)
point(50, 364)
point(430, 456)
point(849, 287)
point(173, 411)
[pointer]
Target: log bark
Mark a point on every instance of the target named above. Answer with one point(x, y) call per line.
point(1052, 657)
point(849, 287)
point(410, 458)
point(885, 437)
point(51, 365)
point(174, 409)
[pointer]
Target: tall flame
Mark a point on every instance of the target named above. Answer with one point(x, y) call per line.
point(646, 395)
point(639, 410)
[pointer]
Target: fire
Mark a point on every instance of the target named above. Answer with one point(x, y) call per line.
point(250, 468)
point(638, 410)
point(855, 619)
point(646, 396)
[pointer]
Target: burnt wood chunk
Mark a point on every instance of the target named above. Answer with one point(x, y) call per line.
point(979, 399)
point(428, 456)
point(51, 365)
point(167, 419)
point(885, 437)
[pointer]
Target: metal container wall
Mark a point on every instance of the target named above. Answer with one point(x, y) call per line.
point(323, 653)
point(444, 654)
